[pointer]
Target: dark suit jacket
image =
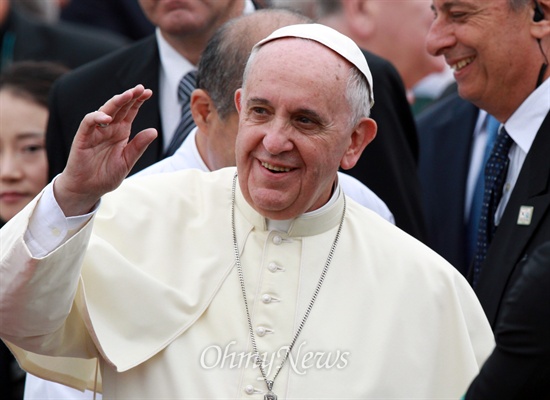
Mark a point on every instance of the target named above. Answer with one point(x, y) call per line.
point(124, 17)
point(68, 44)
point(445, 131)
point(388, 165)
point(519, 367)
point(514, 244)
point(87, 88)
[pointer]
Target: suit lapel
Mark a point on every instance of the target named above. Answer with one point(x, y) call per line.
point(513, 241)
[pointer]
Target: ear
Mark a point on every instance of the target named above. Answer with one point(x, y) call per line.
point(359, 17)
point(238, 97)
point(541, 29)
point(201, 107)
point(364, 133)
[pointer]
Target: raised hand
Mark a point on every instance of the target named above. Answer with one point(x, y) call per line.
point(101, 154)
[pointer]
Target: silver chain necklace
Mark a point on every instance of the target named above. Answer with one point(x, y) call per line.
point(269, 382)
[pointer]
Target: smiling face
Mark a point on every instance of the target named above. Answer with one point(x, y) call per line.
point(294, 128)
point(495, 58)
point(23, 163)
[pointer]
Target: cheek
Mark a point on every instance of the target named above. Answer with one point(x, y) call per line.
point(37, 174)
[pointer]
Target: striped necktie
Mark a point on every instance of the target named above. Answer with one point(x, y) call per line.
point(495, 175)
point(186, 124)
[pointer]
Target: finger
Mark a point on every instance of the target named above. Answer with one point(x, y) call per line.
point(133, 110)
point(129, 110)
point(93, 121)
point(121, 102)
point(137, 146)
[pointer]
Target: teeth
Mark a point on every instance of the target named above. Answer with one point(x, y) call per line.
point(462, 63)
point(274, 168)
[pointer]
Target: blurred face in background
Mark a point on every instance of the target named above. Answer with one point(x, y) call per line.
point(23, 162)
point(189, 17)
point(399, 35)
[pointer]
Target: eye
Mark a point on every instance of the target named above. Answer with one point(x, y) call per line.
point(32, 148)
point(458, 15)
point(304, 120)
point(258, 110)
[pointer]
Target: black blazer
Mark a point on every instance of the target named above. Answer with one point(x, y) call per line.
point(87, 88)
point(69, 44)
point(445, 131)
point(388, 164)
point(519, 367)
point(513, 244)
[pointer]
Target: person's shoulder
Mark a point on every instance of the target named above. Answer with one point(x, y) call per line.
point(103, 69)
point(380, 67)
point(178, 181)
point(70, 33)
point(451, 106)
point(399, 247)
point(363, 195)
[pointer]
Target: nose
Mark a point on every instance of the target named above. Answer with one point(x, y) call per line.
point(9, 168)
point(440, 37)
point(277, 137)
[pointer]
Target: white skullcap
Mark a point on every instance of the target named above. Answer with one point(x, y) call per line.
point(330, 38)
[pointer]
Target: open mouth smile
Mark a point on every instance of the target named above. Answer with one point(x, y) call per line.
point(275, 168)
point(462, 63)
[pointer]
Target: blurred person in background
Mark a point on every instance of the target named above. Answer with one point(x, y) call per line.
point(24, 37)
point(24, 91)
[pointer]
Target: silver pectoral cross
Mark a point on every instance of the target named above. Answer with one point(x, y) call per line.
point(270, 395)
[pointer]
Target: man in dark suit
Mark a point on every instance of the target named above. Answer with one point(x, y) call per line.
point(506, 76)
point(181, 35)
point(445, 134)
point(24, 38)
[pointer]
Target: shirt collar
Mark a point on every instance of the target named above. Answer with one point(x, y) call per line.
point(174, 65)
point(526, 121)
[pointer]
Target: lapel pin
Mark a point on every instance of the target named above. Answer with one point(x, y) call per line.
point(525, 215)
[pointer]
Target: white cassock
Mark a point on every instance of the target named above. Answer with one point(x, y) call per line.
point(158, 301)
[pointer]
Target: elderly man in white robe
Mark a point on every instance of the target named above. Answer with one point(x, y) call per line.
point(259, 281)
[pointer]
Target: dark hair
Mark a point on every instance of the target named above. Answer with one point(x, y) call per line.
point(31, 79)
point(221, 67)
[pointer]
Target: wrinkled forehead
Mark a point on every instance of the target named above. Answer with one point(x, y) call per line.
point(329, 38)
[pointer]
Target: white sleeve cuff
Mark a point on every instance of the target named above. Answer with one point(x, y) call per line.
point(49, 228)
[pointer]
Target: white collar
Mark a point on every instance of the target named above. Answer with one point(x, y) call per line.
point(526, 121)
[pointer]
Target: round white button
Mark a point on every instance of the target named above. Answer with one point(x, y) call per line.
point(273, 267)
point(266, 298)
point(249, 389)
point(261, 331)
point(277, 240)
